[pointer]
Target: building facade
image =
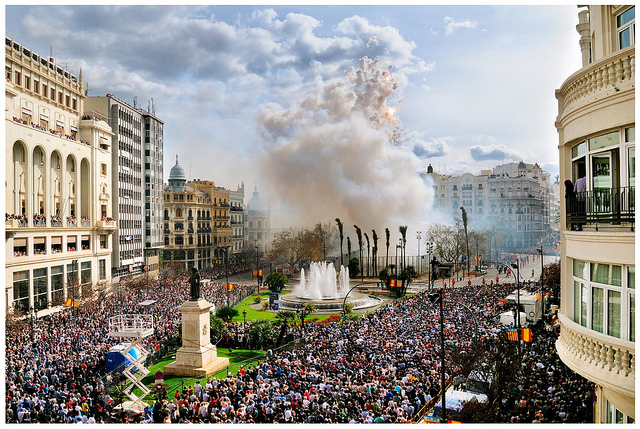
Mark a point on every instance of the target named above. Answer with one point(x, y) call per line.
point(513, 198)
point(596, 127)
point(134, 130)
point(237, 220)
point(259, 231)
point(59, 214)
point(197, 228)
point(153, 190)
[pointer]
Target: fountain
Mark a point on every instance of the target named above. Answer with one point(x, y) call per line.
point(326, 290)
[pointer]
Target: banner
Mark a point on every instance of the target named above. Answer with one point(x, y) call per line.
point(526, 334)
point(512, 334)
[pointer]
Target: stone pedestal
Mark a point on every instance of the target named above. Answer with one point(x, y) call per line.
point(197, 357)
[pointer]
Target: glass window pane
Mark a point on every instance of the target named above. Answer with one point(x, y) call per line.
point(583, 309)
point(625, 38)
point(627, 16)
point(580, 269)
point(632, 317)
point(578, 149)
point(631, 277)
point(632, 166)
point(597, 309)
point(630, 134)
point(606, 274)
point(614, 313)
point(576, 301)
point(606, 140)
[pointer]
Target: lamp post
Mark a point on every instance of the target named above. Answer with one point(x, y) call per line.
point(419, 237)
point(517, 267)
point(31, 322)
point(258, 277)
point(437, 297)
point(397, 247)
point(226, 263)
point(429, 250)
point(344, 301)
point(540, 251)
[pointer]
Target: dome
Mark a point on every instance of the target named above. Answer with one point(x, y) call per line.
point(522, 166)
point(177, 172)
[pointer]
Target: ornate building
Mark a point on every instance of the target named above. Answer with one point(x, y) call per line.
point(259, 231)
point(237, 219)
point(596, 126)
point(58, 185)
point(197, 230)
point(513, 197)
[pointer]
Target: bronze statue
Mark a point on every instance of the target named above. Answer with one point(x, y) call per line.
point(194, 280)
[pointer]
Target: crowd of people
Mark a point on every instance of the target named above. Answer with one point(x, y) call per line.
point(381, 367)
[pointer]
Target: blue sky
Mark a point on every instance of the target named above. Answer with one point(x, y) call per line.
point(259, 93)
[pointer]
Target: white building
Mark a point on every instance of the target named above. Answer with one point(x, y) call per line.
point(596, 127)
point(238, 220)
point(58, 185)
point(513, 197)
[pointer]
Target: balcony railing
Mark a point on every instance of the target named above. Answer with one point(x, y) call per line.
point(609, 75)
point(606, 360)
point(612, 206)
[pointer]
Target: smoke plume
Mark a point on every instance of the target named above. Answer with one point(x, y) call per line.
point(333, 154)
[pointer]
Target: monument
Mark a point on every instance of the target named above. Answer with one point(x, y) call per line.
point(197, 357)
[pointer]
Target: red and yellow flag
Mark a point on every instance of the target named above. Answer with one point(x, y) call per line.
point(512, 334)
point(68, 302)
point(526, 334)
point(228, 286)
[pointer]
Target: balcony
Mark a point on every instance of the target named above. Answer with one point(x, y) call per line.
point(613, 207)
point(107, 225)
point(606, 360)
point(609, 75)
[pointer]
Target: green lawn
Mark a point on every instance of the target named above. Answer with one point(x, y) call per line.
point(236, 358)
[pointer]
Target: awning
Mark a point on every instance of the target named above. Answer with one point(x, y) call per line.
point(56, 240)
point(19, 242)
point(85, 237)
point(72, 239)
point(38, 240)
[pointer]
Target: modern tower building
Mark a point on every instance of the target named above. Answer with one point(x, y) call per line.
point(58, 174)
point(596, 126)
point(135, 130)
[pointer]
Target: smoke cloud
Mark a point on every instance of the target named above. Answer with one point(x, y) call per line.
point(333, 153)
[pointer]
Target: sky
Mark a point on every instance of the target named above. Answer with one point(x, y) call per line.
point(328, 111)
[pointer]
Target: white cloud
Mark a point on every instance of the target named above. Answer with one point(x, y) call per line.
point(497, 152)
point(452, 25)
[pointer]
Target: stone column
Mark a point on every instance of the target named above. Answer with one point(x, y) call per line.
point(197, 357)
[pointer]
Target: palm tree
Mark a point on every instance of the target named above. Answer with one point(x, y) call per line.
point(341, 231)
point(368, 257)
point(388, 234)
point(374, 236)
point(349, 248)
point(466, 234)
point(403, 233)
point(359, 234)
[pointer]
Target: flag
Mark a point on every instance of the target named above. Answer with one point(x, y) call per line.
point(526, 334)
point(76, 303)
point(228, 286)
point(512, 334)
point(68, 302)
point(259, 272)
point(539, 296)
point(392, 283)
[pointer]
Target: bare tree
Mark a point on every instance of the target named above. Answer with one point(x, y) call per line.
point(447, 241)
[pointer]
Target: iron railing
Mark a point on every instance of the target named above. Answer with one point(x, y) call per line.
point(614, 206)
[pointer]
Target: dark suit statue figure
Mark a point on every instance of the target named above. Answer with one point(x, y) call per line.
point(194, 280)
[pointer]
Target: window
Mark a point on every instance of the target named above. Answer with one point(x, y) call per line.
point(626, 28)
point(21, 290)
point(18, 78)
point(102, 269)
point(27, 82)
point(85, 273)
point(103, 169)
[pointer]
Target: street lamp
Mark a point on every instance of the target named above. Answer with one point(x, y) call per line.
point(517, 267)
point(542, 278)
point(429, 250)
point(31, 321)
point(397, 247)
point(437, 297)
point(419, 237)
point(258, 277)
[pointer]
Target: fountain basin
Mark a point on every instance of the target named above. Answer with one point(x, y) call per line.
point(359, 301)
